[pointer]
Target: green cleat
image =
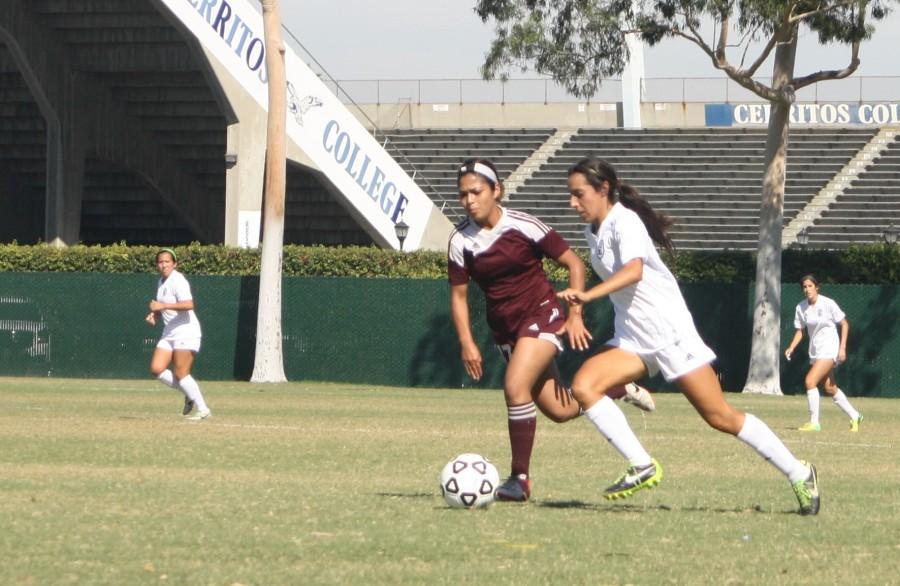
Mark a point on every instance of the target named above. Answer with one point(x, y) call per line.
point(854, 423)
point(634, 480)
point(810, 426)
point(807, 492)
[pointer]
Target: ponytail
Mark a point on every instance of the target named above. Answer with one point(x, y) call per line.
point(596, 172)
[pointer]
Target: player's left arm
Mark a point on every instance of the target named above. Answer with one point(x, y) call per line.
point(185, 305)
point(845, 332)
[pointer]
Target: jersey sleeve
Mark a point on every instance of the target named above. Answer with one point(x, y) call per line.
point(456, 263)
point(798, 318)
point(553, 245)
point(182, 290)
point(836, 313)
point(632, 238)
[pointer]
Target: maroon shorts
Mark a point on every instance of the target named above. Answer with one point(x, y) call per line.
point(543, 323)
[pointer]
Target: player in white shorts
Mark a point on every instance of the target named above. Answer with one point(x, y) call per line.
point(653, 331)
point(180, 340)
point(820, 316)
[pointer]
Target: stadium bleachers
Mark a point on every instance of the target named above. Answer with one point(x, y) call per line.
point(867, 208)
point(708, 180)
point(431, 156)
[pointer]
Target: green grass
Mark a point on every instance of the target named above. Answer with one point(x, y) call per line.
point(306, 483)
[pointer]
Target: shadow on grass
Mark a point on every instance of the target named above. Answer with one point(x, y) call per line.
point(630, 508)
point(406, 495)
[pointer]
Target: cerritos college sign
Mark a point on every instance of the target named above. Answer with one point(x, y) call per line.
point(364, 173)
point(831, 114)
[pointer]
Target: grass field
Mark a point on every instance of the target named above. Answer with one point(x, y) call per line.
point(307, 483)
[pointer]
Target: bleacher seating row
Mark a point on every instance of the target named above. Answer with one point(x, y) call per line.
point(708, 180)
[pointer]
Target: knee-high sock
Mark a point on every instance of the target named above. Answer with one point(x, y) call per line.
point(840, 399)
point(192, 391)
point(522, 422)
point(758, 436)
point(812, 397)
point(167, 378)
point(612, 424)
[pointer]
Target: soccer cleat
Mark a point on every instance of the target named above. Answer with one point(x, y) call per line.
point(810, 426)
point(807, 492)
point(635, 479)
point(854, 423)
point(188, 407)
point(516, 488)
point(639, 397)
point(199, 415)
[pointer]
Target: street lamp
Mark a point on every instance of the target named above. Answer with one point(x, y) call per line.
point(803, 238)
point(891, 233)
point(402, 230)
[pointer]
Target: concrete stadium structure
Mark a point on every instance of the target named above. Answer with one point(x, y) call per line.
point(122, 120)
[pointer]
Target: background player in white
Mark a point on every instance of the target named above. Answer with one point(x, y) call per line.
point(820, 316)
point(654, 331)
point(180, 340)
point(502, 250)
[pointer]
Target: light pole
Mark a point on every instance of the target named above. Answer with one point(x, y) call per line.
point(803, 238)
point(402, 230)
point(890, 234)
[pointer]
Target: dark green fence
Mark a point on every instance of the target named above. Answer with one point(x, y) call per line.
point(377, 331)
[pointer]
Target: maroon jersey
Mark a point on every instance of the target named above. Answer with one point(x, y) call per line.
point(506, 263)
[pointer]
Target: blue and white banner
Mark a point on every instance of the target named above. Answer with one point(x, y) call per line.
point(367, 176)
point(831, 114)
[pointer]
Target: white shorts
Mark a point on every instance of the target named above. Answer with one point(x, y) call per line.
point(172, 344)
point(678, 359)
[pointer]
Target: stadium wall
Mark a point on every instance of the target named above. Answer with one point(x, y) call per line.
point(379, 331)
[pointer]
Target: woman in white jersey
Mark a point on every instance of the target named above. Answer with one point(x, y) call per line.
point(654, 332)
point(820, 316)
point(180, 340)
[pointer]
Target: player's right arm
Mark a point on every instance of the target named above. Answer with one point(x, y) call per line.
point(798, 335)
point(459, 310)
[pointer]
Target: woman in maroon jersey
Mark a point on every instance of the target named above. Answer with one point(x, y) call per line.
point(502, 250)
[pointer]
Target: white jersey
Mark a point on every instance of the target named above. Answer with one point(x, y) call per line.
point(650, 314)
point(820, 321)
point(178, 324)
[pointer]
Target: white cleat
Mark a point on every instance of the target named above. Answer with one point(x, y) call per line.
point(639, 397)
point(199, 415)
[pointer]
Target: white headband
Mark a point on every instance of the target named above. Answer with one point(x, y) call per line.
point(482, 169)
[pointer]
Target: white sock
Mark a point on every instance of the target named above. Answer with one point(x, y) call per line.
point(612, 424)
point(192, 390)
point(758, 436)
point(812, 397)
point(840, 399)
point(167, 378)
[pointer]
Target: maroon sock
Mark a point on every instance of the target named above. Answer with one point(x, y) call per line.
point(522, 425)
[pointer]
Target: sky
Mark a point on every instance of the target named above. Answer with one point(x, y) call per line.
point(441, 39)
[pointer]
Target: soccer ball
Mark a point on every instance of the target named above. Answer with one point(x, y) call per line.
point(468, 481)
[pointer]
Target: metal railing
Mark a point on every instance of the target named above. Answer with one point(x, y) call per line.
point(660, 89)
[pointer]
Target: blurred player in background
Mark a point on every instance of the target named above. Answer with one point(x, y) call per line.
point(654, 331)
point(820, 316)
point(180, 340)
point(502, 250)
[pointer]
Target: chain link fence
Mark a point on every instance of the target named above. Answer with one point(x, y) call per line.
point(380, 331)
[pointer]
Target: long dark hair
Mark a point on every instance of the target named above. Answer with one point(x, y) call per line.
point(597, 171)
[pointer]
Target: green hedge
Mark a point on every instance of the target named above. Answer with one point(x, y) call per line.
point(865, 264)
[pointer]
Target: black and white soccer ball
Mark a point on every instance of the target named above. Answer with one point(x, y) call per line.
point(468, 481)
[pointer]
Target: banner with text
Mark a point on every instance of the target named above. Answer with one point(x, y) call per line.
point(833, 114)
point(365, 174)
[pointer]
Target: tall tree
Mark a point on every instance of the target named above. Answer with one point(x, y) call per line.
point(268, 364)
point(581, 42)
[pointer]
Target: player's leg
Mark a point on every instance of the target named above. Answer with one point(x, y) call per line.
point(841, 400)
point(611, 368)
point(701, 387)
point(183, 362)
point(528, 363)
point(554, 398)
point(819, 370)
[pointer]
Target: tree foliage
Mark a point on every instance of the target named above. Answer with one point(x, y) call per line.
point(582, 42)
